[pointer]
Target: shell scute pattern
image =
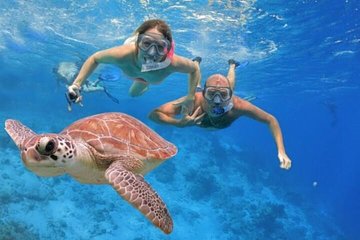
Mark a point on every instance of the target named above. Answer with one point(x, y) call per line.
point(118, 133)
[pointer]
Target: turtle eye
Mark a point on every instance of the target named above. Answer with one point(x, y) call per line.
point(50, 146)
point(46, 146)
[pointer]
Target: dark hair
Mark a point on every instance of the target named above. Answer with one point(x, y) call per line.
point(160, 25)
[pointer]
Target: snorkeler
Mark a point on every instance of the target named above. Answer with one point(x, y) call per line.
point(147, 58)
point(217, 107)
point(66, 71)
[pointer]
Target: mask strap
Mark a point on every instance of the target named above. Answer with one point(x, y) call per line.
point(170, 54)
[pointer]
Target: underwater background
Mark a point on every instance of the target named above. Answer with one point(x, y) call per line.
point(304, 59)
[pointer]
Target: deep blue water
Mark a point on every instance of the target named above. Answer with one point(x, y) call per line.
point(304, 69)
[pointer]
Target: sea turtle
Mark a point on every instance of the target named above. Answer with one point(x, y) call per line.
point(106, 148)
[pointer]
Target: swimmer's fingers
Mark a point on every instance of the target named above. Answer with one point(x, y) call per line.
point(287, 164)
point(196, 112)
point(196, 117)
point(285, 161)
point(73, 95)
point(199, 119)
point(79, 101)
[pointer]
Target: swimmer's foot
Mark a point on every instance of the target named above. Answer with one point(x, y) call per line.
point(237, 63)
point(197, 59)
point(232, 61)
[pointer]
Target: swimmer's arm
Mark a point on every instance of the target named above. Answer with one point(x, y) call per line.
point(166, 114)
point(260, 115)
point(185, 65)
point(109, 56)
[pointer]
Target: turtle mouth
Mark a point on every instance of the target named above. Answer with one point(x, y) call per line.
point(46, 171)
point(31, 164)
point(43, 168)
point(31, 157)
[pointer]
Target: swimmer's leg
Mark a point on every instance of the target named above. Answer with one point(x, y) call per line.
point(231, 74)
point(138, 88)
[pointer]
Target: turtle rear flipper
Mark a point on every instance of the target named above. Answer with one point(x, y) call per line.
point(134, 189)
point(18, 132)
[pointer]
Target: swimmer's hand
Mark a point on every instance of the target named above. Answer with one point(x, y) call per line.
point(73, 95)
point(190, 119)
point(285, 161)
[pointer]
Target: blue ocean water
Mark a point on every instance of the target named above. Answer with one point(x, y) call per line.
point(226, 184)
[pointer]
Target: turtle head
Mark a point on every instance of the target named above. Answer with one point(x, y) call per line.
point(45, 154)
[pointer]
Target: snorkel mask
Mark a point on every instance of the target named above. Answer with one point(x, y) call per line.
point(219, 99)
point(155, 47)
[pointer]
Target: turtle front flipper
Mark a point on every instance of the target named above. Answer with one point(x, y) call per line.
point(18, 132)
point(134, 189)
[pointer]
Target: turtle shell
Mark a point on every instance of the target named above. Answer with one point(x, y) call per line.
point(121, 134)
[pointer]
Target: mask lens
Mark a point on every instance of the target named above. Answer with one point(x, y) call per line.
point(225, 94)
point(211, 92)
point(145, 42)
point(161, 48)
